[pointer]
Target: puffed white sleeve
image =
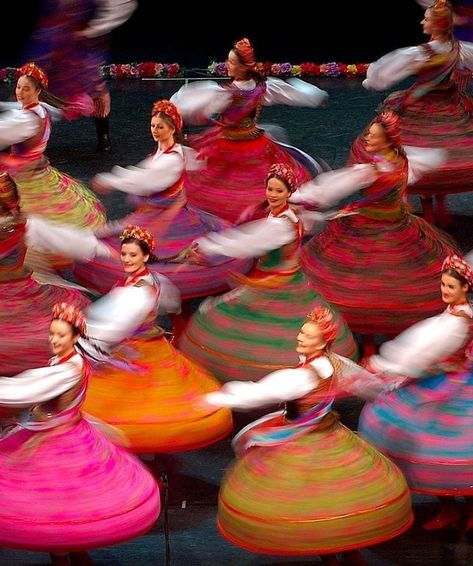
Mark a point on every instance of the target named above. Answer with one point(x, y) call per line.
point(118, 314)
point(293, 92)
point(39, 385)
point(277, 387)
point(466, 54)
point(197, 101)
point(394, 67)
point(17, 126)
point(149, 176)
point(67, 240)
point(327, 189)
point(248, 240)
point(109, 15)
point(422, 345)
point(422, 160)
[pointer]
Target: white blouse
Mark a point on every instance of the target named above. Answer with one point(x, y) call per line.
point(401, 63)
point(197, 101)
point(277, 387)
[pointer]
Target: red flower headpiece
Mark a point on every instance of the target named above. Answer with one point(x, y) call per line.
point(36, 73)
point(442, 15)
point(138, 233)
point(323, 317)
point(71, 314)
point(390, 122)
point(245, 52)
point(460, 266)
point(171, 111)
point(285, 173)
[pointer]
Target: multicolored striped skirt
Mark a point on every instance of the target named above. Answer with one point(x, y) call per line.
point(157, 403)
point(328, 491)
point(252, 330)
point(426, 428)
point(71, 489)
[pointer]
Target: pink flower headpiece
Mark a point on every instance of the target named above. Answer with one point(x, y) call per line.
point(323, 317)
point(245, 52)
point(36, 73)
point(171, 111)
point(284, 172)
point(460, 266)
point(138, 233)
point(71, 314)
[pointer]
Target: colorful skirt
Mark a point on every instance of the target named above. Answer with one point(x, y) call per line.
point(252, 330)
point(157, 404)
point(25, 318)
point(436, 120)
point(426, 428)
point(328, 491)
point(172, 234)
point(383, 276)
point(70, 489)
point(236, 173)
point(46, 192)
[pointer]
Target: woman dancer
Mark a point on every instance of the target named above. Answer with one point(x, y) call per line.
point(164, 210)
point(434, 111)
point(376, 262)
point(104, 495)
point(425, 425)
point(248, 331)
point(238, 153)
point(43, 190)
point(152, 398)
point(325, 489)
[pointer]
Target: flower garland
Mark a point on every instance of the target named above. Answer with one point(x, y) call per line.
point(270, 69)
point(152, 69)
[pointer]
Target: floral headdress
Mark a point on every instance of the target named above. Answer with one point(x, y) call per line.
point(71, 314)
point(284, 172)
point(390, 122)
point(323, 317)
point(138, 233)
point(442, 15)
point(171, 111)
point(36, 73)
point(245, 52)
point(459, 265)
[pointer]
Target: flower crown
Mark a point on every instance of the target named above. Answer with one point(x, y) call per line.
point(460, 266)
point(36, 73)
point(171, 111)
point(71, 314)
point(140, 234)
point(283, 171)
point(323, 317)
point(245, 52)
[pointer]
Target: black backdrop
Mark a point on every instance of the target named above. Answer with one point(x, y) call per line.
point(163, 31)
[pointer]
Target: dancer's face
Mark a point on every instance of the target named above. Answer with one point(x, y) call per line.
point(26, 91)
point(428, 23)
point(277, 194)
point(310, 339)
point(376, 140)
point(235, 69)
point(161, 131)
point(62, 338)
point(454, 292)
point(133, 258)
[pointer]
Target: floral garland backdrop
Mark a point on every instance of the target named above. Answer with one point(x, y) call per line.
point(152, 69)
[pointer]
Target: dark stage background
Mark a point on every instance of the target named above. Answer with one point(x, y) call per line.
point(340, 31)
